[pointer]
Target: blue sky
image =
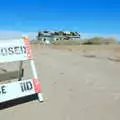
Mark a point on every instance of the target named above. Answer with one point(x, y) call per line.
point(100, 17)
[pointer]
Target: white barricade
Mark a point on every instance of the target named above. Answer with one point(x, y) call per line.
point(18, 50)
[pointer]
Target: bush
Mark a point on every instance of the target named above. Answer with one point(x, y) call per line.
point(99, 41)
point(67, 42)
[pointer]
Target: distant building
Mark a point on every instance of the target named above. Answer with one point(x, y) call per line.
point(57, 35)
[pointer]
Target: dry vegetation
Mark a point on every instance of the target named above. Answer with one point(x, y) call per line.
point(92, 47)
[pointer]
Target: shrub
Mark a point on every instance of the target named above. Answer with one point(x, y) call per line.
point(100, 40)
point(67, 42)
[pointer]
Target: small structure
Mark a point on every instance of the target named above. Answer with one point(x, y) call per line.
point(43, 36)
point(57, 35)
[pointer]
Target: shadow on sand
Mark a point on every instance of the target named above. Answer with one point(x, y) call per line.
point(19, 101)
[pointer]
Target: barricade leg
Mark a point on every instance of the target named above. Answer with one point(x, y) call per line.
point(21, 71)
point(40, 95)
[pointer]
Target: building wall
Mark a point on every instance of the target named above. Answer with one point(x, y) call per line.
point(54, 36)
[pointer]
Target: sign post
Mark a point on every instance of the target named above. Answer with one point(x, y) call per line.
point(19, 50)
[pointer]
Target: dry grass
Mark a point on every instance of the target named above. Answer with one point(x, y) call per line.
point(115, 48)
point(111, 52)
point(108, 51)
point(115, 59)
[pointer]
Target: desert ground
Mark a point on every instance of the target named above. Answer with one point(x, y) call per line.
point(78, 83)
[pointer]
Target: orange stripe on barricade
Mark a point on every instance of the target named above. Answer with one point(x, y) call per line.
point(37, 86)
point(28, 48)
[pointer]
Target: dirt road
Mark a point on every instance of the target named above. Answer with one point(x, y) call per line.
point(75, 87)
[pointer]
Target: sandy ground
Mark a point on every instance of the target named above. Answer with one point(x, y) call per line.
point(75, 86)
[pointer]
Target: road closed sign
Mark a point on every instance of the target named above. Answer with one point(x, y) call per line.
point(18, 50)
point(18, 89)
point(15, 50)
